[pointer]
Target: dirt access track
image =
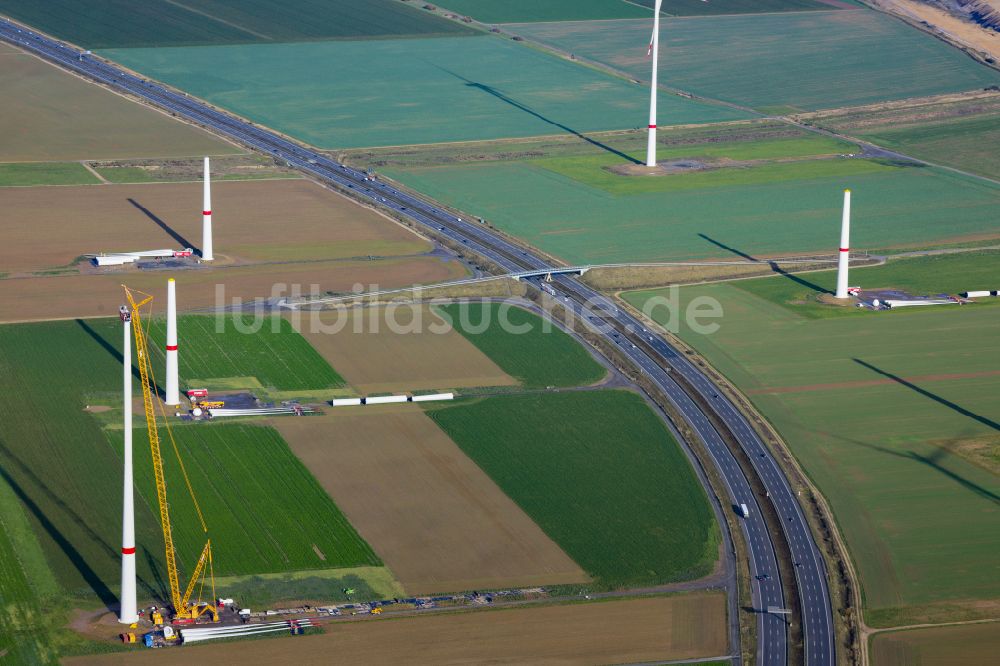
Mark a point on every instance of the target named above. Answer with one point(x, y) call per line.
point(273, 220)
point(396, 348)
point(437, 520)
point(48, 114)
point(689, 626)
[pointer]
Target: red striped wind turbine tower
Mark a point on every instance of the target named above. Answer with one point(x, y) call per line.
point(206, 219)
point(172, 395)
point(654, 52)
point(128, 613)
point(845, 247)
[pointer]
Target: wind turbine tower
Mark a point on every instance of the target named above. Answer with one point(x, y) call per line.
point(654, 51)
point(845, 247)
point(128, 613)
point(173, 394)
point(206, 219)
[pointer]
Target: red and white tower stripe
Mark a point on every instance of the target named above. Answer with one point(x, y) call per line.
point(128, 612)
point(845, 247)
point(173, 394)
point(654, 51)
point(206, 219)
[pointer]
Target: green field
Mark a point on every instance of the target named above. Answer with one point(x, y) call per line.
point(889, 413)
point(279, 358)
point(265, 511)
point(23, 639)
point(125, 23)
point(937, 646)
point(933, 274)
point(514, 11)
point(396, 92)
point(716, 144)
point(966, 144)
point(62, 467)
point(535, 352)
point(45, 173)
point(960, 134)
point(799, 60)
point(600, 474)
point(705, 7)
point(571, 206)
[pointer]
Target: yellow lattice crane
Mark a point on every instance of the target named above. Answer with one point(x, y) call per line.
point(182, 606)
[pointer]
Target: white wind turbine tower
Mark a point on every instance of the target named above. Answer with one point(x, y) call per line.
point(654, 51)
point(128, 614)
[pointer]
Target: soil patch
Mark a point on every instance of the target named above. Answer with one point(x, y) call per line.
point(437, 521)
point(362, 345)
point(72, 296)
point(50, 115)
point(690, 626)
point(274, 220)
point(661, 169)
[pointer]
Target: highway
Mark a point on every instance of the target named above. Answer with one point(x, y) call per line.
point(672, 372)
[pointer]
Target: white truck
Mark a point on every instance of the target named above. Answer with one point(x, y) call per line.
point(744, 510)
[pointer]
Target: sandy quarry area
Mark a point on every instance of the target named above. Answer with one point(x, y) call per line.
point(956, 29)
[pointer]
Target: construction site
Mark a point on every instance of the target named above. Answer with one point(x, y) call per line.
point(536, 375)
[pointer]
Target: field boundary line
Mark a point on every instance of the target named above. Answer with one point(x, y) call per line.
point(674, 17)
point(872, 631)
point(86, 165)
point(212, 17)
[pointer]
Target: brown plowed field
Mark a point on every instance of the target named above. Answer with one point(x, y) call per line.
point(437, 521)
point(50, 115)
point(65, 297)
point(274, 220)
point(691, 626)
point(367, 353)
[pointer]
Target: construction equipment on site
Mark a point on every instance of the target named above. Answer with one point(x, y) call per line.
point(161, 637)
point(183, 610)
point(211, 404)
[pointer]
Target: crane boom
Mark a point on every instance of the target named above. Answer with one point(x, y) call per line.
point(180, 603)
